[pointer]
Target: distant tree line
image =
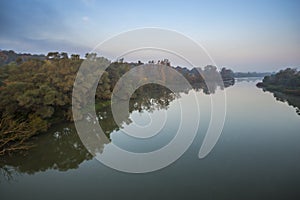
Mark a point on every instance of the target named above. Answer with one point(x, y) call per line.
point(10, 56)
point(251, 74)
point(286, 81)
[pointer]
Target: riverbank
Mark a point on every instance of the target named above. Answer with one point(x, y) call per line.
point(285, 81)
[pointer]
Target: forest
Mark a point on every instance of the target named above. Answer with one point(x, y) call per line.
point(36, 92)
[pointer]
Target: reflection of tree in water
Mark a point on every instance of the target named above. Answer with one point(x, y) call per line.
point(290, 99)
point(61, 148)
point(248, 79)
point(213, 86)
point(156, 98)
point(8, 173)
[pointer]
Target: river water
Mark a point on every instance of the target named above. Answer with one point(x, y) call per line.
point(256, 156)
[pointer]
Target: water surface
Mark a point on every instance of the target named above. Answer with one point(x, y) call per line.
point(256, 157)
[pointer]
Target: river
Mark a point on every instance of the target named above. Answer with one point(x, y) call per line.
point(256, 156)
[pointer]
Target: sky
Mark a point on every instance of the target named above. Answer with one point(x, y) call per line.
point(257, 35)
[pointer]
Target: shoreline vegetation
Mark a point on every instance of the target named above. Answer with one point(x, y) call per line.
point(36, 91)
point(285, 81)
point(251, 74)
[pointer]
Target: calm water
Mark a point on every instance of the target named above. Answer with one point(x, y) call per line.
point(256, 157)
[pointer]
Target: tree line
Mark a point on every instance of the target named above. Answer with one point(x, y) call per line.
point(286, 81)
point(37, 93)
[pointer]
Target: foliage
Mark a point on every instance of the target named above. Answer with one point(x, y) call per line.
point(227, 74)
point(36, 93)
point(251, 74)
point(7, 57)
point(286, 81)
point(14, 134)
point(33, 95)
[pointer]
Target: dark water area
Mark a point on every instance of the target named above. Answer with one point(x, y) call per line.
point(256, 157)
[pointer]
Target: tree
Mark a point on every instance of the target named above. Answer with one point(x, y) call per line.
point(227, 74)
point(53, 55)
point(19, 60)
point(286, 81)
point(75, 57)
point(91, 56)
point(64, 55)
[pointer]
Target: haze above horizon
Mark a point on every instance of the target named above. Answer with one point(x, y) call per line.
point(244, 36)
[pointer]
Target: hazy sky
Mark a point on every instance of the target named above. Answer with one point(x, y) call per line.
point(242, 35)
